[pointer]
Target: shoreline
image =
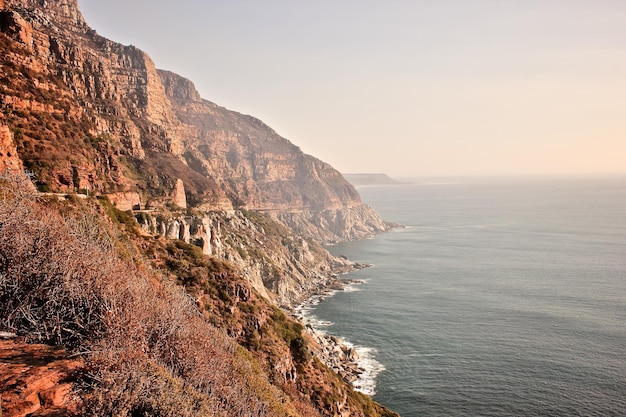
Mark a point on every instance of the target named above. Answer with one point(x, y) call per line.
point(355, 364)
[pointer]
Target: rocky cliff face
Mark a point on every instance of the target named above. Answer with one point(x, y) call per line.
point(88, 112)
point(279, 263)
point(259, 170)
point(9, 160)
point(91, 113)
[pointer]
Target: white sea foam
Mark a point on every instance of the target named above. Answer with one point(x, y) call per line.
point(367, 363)
point(317, 323)
point(366, 383)
point(352, 287)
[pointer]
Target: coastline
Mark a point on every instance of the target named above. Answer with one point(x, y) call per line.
point(355, 364)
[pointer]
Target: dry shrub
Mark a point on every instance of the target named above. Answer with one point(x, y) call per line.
point(148, 349)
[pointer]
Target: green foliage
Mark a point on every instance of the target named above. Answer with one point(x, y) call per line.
point(191, 251)
point(223, 294)
point(249, 308)
point(75, 177)
point(242, 252)
point(18, 133)
point(96, 141)
point(299, 350)
point(270, 227)
point(118, 216)
point(44, 188)
point(143, 217)
point(291, 332)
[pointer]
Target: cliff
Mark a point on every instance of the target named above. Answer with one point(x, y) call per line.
point(90, 113)
point(87, 114)
point(280, 264)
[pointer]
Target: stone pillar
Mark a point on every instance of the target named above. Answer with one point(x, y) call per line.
point(178, 197)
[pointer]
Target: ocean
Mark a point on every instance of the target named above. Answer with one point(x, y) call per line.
point(498, 298)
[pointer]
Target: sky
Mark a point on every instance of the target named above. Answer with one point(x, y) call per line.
point(407, 88)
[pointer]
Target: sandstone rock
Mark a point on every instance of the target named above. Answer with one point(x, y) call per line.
point(36, 379)
point(99, 113)
point(178, 196)
point(284, 268)
point(15, 26)
point(9, 159)
point(353, 222)
point(125, 200)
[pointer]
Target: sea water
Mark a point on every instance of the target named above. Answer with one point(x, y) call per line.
point(498, 298)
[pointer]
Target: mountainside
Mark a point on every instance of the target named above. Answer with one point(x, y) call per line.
point(164, 235)
point(90, 113)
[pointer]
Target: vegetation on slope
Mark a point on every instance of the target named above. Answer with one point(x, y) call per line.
point(164, 329)
point(149, 351)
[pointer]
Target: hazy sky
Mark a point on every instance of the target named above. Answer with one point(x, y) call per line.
point(440, 87)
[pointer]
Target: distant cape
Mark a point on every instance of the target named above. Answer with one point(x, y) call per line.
point(370, 179)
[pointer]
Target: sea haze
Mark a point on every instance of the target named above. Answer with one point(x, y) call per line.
point(499, 298)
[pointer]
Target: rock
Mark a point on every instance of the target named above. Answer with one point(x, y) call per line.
point(36, 380)
point(352, 222)
point(140, 128)
point(15, 26)
point(9, 159)
point(125, 200)
point(178, 197)
point(352, 354)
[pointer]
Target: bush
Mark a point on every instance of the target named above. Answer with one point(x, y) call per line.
point(150, 352)
point(118, 216)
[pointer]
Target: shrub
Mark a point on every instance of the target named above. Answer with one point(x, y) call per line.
point(291, 332)
point(150, 352)
point(118, 216)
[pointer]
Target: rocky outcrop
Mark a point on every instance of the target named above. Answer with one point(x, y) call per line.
point(256, 167)
point(90, 115)
point(260, 170)
point(9, 159)
point(97, 116)
point(15, 26)
point(334, 225)
point(178, 197)
point(125, 201)
point(36, 380)
point(337, 355)
point(90, 111)
point(280, 264)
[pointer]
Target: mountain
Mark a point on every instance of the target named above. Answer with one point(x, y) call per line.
point(91, 113)
point(164, 234)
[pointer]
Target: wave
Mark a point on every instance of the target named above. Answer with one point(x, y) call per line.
point(368, 367)
point(366, 383)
